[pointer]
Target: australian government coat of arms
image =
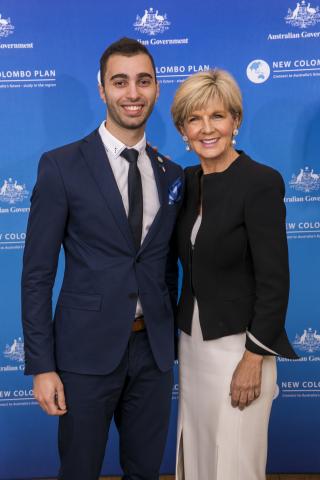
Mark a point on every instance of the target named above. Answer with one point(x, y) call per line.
point(12, 192)
point(151, 22)
point(303, 15)
point(6, 27)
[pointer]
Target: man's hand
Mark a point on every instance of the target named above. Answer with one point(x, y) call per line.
point(246, 380)
point(48, 390)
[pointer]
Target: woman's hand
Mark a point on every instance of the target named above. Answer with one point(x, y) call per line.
point(246, 380)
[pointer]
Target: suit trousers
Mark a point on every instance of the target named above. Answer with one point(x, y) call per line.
point(138, 395)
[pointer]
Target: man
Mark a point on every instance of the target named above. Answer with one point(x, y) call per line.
point(111, 201)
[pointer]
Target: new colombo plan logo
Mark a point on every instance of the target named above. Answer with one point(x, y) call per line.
point(6, 27)
point(151, 22)
point(258, 71)
point(303, 15)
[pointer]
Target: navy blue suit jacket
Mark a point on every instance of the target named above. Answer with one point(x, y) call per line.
point(76, 203)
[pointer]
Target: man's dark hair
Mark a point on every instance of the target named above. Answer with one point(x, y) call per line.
point(127, 47)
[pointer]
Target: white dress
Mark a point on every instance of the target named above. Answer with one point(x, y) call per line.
point(215, 440)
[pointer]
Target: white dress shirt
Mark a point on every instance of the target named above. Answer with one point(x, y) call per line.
point(120, 169)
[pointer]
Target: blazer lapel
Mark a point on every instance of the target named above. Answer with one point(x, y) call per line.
point(97, 160)
point(159, 175)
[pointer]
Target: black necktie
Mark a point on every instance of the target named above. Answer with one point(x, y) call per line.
point(135, 214)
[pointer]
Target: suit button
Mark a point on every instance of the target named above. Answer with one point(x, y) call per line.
point(133, 295)
point(138, 258)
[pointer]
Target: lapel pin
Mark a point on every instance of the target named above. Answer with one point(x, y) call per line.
point(160, 163)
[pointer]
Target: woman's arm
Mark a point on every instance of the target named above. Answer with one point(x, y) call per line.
point(266, 230)
point(246, 380)
point(265, 225)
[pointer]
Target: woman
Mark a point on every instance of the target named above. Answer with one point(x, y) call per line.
point(231, 241)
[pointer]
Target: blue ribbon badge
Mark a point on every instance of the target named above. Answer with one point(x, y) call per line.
point(175, 191)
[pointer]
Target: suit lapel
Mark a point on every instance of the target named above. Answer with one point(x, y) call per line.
point(97, 160)
point(159, 175)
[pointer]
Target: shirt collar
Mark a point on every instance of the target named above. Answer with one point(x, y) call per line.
point(115, 146)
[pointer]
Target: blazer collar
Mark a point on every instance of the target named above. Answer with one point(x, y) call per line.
point(96, 158)
point(159, 175)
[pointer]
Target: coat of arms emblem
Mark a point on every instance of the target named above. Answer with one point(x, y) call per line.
point(12, 192)
point(303, 15)
point(309, 341)
point(305, 181)
point(6, 27)
point(15, 351)
point(151, 22)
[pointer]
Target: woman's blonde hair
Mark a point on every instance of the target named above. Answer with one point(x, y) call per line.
point(195, 93)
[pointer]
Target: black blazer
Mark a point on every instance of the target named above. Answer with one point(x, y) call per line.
point(238, 268)
point(76, 203)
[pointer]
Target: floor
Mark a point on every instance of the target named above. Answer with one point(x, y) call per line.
point(269, 477)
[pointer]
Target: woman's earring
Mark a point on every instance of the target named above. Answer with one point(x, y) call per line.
point(185, 139)
point(234, 134)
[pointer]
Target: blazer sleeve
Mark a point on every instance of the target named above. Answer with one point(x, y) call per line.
point(45, 232)
point(265, 222)
point(172, 271)
point(172, 274)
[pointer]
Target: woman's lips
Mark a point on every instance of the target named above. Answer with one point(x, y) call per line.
point(210, 142)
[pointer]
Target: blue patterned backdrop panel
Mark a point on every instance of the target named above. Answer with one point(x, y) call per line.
point(49, 60)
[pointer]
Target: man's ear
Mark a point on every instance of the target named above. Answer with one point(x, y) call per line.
point(102, 93)
point(158, 91)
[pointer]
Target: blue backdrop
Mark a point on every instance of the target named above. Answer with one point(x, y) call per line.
point(49, 53)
